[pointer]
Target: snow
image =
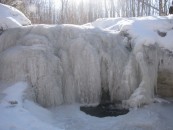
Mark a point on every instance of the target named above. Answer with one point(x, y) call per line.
point(26, 115)
point(11, 17)
point(13, 94)
point(153, 117)
point(143, 30)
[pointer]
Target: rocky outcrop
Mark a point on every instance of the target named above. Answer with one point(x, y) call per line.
point(165, 74)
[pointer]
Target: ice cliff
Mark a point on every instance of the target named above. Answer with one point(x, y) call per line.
point(107, 60)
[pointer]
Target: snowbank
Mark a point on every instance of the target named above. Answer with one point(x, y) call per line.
point(19, 114)
point(11, 17)
point(142, 30)
point(68, 63)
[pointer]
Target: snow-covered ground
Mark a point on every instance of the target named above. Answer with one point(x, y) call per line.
point(26, 115)
point(151, 117)
point(19, 114)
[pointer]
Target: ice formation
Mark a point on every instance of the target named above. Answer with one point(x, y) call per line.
point(68, 63)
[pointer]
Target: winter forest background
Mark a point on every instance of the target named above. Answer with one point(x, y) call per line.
point(84, 11)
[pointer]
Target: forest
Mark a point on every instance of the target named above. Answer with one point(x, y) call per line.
point(84, 11)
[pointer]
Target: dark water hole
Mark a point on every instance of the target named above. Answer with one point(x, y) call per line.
point(103, 110)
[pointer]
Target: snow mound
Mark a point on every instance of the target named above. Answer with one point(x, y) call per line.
point(10, 17)
point(142, 30)
point(20, 114)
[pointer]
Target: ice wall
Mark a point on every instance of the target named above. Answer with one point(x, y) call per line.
point(66, 64)
point(63, 64)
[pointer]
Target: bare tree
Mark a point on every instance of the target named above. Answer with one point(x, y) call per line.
point(69, 11)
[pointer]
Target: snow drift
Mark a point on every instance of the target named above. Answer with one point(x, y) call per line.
point(67, 63)
point(17, 112)
point(11, 17)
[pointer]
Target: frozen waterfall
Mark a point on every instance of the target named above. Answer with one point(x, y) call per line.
point(67, 63)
